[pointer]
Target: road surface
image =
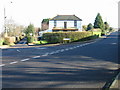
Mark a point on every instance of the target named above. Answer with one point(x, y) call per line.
point(86, 65)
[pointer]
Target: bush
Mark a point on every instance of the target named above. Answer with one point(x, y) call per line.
point(57, 37)
point(1, 41)
point(17, 39)
point(30, 39)
point(9, 40)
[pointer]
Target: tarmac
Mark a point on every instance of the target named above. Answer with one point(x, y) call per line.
point(113, 85)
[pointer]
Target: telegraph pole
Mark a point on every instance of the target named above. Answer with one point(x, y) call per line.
point(6, 34)
point(5, 27)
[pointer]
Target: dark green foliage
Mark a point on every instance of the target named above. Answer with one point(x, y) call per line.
point(99, 22)
point(106, 25)
point(29, 30)
point(89, 27)
point(89, 38)
point(57, 37)
point(30, 39)
point(6, 41)
point(45, 21)
point(111, 29)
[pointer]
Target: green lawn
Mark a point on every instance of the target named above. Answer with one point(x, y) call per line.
point(40, 42)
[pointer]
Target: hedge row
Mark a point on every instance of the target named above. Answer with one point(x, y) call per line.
point(57, 37)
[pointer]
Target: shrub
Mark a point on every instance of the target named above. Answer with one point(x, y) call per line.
point(30, 39)
point(9, 40)
point(17, 39)
point(57, 37)
point(1, 41)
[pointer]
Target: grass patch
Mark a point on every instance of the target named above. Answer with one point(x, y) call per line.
point(1, 42)
point(40, 42)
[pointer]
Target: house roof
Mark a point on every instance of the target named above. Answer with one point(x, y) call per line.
point(66, 17)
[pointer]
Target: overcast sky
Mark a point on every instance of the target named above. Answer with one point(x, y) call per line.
point(33, 11)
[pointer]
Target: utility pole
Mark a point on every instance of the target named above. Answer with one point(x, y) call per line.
point(5, 27)
point(6, 34)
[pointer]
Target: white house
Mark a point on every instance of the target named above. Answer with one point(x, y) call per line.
point(65, 23)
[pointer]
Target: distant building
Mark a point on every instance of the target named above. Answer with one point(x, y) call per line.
point(65, 23)
point(45, 24)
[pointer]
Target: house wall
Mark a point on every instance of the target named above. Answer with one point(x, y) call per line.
point(79, 25)
point(61, 24)
point(51, 25)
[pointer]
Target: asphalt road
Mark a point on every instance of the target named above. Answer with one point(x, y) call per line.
point(87, 65)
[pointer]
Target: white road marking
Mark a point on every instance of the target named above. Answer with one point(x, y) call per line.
point(14, 62)
point(25, 59)
point(62, 50)
point(2, 65)
point(71, 48)
point(24, 42)
point(18, 50)
point(75, 47)
point(81, 45)
point(51, 53)
point(46, 54)
point(84, 44)
point(36, 57)
point(41, 48)
point(57, 51)
point(66, 49)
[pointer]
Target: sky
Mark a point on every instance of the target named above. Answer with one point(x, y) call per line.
point(24, 12)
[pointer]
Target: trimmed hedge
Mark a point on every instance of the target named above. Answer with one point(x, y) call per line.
point(97, 33)
point(57, 37)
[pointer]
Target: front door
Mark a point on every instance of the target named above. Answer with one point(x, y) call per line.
point(65, 24)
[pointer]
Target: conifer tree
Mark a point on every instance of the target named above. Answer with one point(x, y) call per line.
point(106, 25)
point(99, 22)
point(89, 27)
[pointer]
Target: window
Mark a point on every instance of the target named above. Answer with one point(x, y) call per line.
point(75, 23)
point(55, 23)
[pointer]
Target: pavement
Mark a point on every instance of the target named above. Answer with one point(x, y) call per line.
point(116, 82)
point(75, 65)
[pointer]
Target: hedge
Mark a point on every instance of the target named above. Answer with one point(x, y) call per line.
point(97, 33)
point(57, 37)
